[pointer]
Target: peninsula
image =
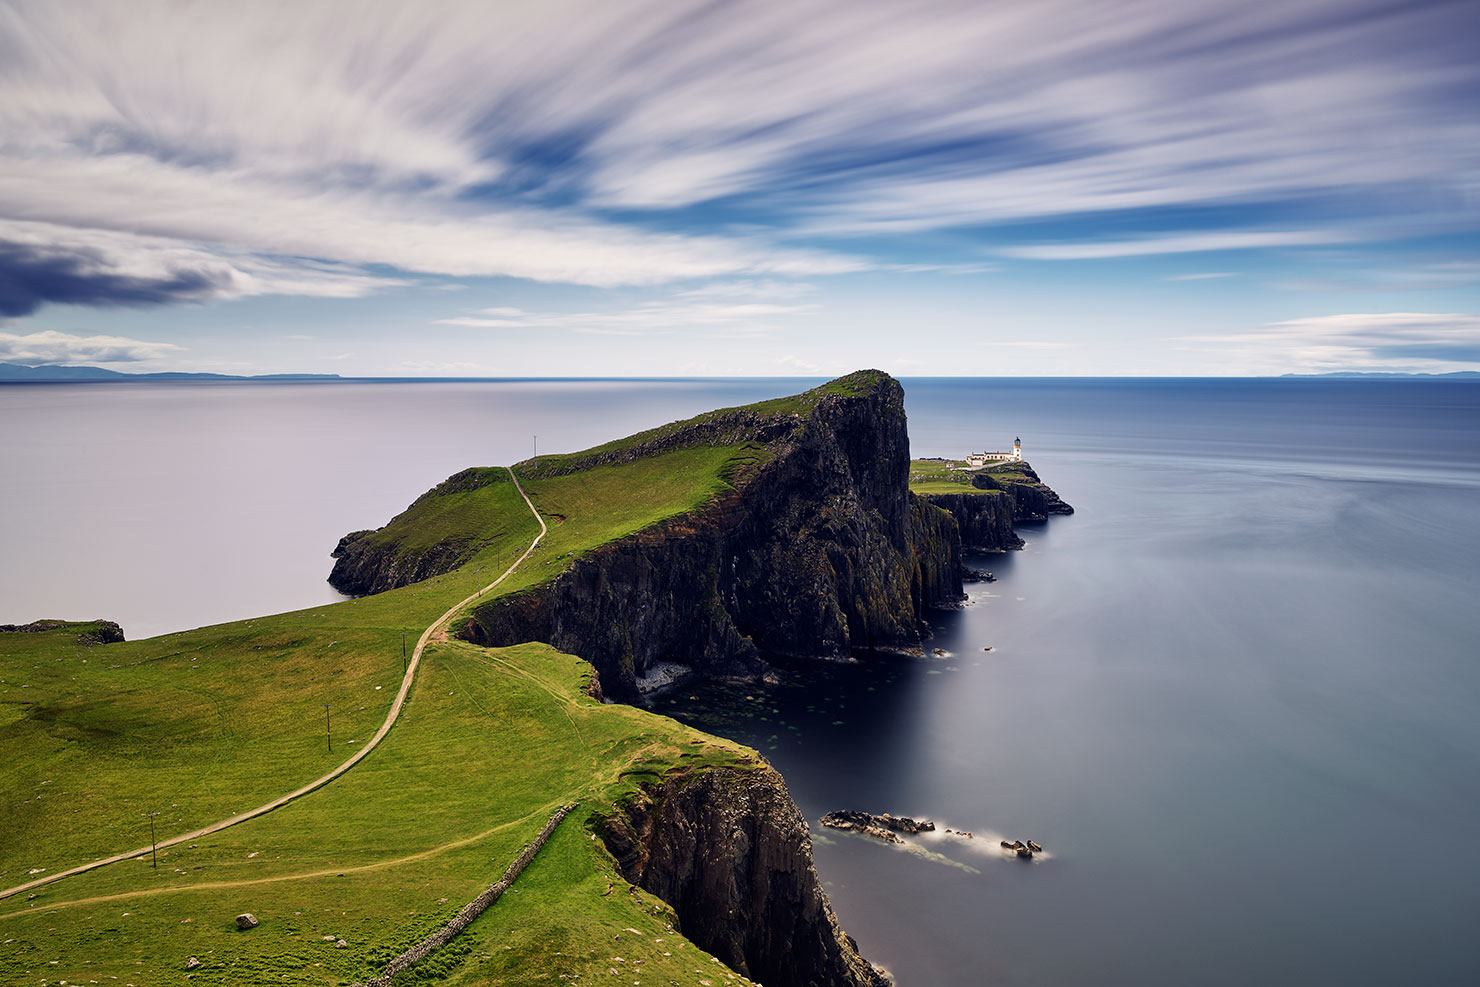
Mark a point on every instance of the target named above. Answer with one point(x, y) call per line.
point(530, 593)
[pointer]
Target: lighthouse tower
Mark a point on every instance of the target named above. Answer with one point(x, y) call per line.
point(1017, 449)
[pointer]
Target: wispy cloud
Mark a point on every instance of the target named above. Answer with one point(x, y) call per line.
point(53, 348)
point(655, 318)
point(1208, 276)
point(1402, 341)
point(471, 139)
point(1188, 243)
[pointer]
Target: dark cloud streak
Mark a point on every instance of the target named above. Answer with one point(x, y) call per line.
point(31, 277)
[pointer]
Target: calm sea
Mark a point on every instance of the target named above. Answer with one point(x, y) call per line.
point(1234, 696)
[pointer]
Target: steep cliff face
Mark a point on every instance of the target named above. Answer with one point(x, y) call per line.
point(820, 551)
point(1001, 495)
point(984, 519)
point(730, 851)
point(1032, 500)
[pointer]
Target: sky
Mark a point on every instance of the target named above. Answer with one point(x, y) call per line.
point(667, 188)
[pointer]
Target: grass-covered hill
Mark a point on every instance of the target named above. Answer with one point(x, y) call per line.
point(200, 725)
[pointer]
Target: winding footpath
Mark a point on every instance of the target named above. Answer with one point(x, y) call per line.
point(320, 782)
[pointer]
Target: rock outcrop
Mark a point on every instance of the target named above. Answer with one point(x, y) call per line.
point(881, 827)
point(1000, 496)
point(375, 560)
point(819, 551)
point(89, 632)
point(730, 852)
point(1032, 500)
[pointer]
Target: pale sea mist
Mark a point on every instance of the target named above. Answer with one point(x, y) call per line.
point(1235, 696)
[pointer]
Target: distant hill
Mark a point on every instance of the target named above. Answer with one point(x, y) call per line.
point(1457, 375)
point(20, 372)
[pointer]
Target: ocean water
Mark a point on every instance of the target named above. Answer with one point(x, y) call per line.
point(1235, 695)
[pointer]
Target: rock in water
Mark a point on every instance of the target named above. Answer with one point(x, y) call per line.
point(877, 826)
point(245, 921)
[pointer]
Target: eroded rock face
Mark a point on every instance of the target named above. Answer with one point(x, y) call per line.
point(1032, 499)
point(730, 851)
point(821, 551)
point(984, 520)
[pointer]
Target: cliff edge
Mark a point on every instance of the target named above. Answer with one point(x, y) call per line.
point(818, 550)
point(730, 851)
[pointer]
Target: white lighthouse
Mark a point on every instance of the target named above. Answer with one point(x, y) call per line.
point(1017, 450)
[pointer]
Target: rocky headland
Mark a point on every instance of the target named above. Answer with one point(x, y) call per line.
point(818, 550)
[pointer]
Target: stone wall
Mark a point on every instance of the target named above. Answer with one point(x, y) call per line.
point(472, 909)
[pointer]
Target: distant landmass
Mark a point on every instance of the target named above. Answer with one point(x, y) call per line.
point(17, 371)
point(1460, 374)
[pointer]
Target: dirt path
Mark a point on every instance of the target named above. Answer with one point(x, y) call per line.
point(385, 728)
point(243, 882)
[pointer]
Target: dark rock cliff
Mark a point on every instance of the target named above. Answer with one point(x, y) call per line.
point(1032, 500)
point(822, 550)
point(1010, 492)
point(984, 520)
point(730, 851)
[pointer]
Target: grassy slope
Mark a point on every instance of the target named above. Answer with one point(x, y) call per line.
point(215, 720)
point(859, 382)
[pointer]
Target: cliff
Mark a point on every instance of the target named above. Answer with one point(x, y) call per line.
point(983, 519)
point(817, 551)
point(986, 509)
point(1032, 500)
point(730, 851)
point(430, 537)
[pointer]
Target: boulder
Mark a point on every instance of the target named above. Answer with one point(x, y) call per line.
point(192, 963)
point(245, 921)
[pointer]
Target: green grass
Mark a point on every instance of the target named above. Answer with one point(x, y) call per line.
point(928, 476)
point(853, 385)
point(492, 741)
point(460, 510)
point(205, 723)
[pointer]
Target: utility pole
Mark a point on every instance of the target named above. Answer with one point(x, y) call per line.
point(153, 843)
point(403, 652)
point(327, 736)
point(536, 447)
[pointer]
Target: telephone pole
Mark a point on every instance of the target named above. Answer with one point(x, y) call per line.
point(153, 843)
point(403, 652)
point(327, 736)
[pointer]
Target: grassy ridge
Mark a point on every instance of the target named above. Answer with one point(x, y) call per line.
point(853, 385)
point(201, 724)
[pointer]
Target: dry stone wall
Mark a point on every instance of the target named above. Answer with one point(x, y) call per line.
point(472, 909)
